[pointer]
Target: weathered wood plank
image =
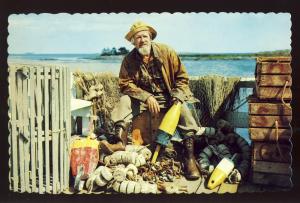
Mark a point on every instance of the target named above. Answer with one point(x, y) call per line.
point(273, 93)
point(54, 135)
point(273, 68)
point(57, 133)
point(10, 160)
point(264, 108)
point(66, 154)
point(246, 83)
point(61, 127)
point(26, 131)
point(274, 80)
point(274, 59)
point(271, 167)
point(272, 179)
point(32, 130)
point(14, 148)
point(46, 133)
point(20, 118)
point(269, 134)
point(269, 121)
point(68, 122)
point(272, 152)
point(39, 118)
point(66, 159)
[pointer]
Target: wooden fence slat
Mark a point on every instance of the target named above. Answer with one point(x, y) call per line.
point(39, 129)
point(54, 128)
point(61, 127)
point(68, 119)
point(10, 164)
point(46, 113)
point(20, 130)
point(26, 130)
point(32, 130)
point(14, 149)
point(65, 127)
point(57, 133)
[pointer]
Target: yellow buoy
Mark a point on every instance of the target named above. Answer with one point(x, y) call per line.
point(220, 173)
point(170, 120)
point(167, 127)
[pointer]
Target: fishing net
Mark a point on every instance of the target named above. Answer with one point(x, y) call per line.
point(216, 94)
point(100, 88)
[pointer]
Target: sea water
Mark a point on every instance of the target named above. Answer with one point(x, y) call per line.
point(92, 63)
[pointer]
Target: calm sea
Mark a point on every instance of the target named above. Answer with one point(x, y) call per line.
point(90, 63)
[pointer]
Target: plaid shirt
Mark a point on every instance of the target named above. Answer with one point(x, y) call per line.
point(151, 77)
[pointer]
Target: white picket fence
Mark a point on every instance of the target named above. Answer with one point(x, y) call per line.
point(39, 123)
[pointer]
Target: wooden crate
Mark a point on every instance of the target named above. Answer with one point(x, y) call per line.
point(272, 179)
point(146, 125)
point(262, 120)
point(273, 78)
point(273, 65)
point(263, 151)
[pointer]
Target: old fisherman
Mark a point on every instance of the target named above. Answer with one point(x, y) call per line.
point(152, 77)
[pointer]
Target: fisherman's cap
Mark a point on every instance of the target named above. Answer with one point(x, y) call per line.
point(140, 26)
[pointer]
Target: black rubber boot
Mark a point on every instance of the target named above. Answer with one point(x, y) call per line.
point(109, 148)
point(191, 169)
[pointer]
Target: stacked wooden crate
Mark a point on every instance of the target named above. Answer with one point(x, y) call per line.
point(270, 115)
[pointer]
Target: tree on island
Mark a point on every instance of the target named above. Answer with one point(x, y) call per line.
point(114, 51)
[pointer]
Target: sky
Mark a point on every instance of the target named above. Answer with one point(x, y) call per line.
point(185, 32)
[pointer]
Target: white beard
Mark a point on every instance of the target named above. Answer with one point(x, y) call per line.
point(145, 50)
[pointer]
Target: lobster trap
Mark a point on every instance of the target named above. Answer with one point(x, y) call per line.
point(39, 124)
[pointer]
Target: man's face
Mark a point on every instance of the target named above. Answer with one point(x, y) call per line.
point(142, 42)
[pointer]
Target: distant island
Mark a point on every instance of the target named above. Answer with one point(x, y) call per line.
point(114, 51)
point(203, 56)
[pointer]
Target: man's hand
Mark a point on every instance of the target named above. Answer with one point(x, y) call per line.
point(153, 105)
